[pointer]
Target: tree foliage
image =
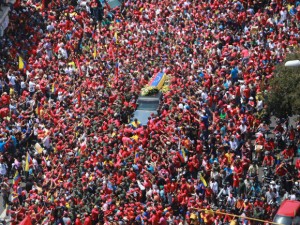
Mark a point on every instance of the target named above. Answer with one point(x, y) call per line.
point(284, 96)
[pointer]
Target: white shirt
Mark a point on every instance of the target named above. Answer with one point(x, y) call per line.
point(293, 197)
point(3, 169)
point(31, 86)
point(233, 145)
point(12, 79)
point(214, 186)
point(23, 85)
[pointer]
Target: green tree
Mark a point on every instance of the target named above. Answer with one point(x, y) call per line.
point(283, 97)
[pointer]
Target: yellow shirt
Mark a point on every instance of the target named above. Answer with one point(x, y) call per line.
point(233, 222)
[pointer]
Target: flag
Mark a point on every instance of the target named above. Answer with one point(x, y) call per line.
point(14, 197)
point(203, 180)
point(107, 5)
point(53, 88)
point(180, 157)
point(182, 153)
point(117, 69)
point(21, 63)
point(26, 221)
point(46, 221)
point(38, 109)
point(95, 52)
point(94, 35)
point(78, 152)
point(17, 178)
point(116, 37)
point(110, 51)
point(79, 98)
point(27, 162)
point(11, 91)
point(38, 148)
point(79, 67)
point(136, 157)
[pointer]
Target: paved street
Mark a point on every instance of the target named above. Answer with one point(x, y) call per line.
point(2, 212)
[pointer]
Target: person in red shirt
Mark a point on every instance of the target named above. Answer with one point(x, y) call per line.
point(269, 145)
point(95, 215)
point(208, 194)
point(154, 220)
point(268, 160)
point(288, 153)
point(281, 170)
point(87, 220)
point(78, 221)
point(236, 182)
point(5, 98)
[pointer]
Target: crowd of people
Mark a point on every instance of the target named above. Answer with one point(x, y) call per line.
point(70, 76)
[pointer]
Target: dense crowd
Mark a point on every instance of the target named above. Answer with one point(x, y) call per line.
point(66, 116)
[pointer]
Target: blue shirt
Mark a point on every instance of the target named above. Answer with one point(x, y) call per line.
point(2, 144)
point(228, 171)
point(234, 73)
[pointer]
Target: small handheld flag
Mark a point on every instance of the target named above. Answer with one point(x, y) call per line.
point(116, 37)
point(95, 52)
point(17, 178)
point(21, 63)
point(117, 69)
point(203, 180)
point(27, 162)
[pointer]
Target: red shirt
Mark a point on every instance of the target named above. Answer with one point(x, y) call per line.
point(268, 160)
point(280, 171)
point(87, 221)
point(78, 222)
point(95, 214)
point(236, 181)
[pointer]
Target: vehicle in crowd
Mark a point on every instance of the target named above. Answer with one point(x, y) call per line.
point(146, 106)
point(288, 213)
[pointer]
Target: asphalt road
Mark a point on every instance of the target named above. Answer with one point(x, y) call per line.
point(2, 208)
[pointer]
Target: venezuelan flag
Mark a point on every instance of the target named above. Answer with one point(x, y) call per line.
point(158, 80)
point(53, 88)
point(46, 221)
point(136, 156)
point(27, 162)
point(17, 178)
point(183, 154)
point(116, 37)
point(38, 109)
point(95, 52)
point(203, 180)
point(79, 67)
point(21, 63)
point(117, 69)
point(78, 152)
point(14, 197)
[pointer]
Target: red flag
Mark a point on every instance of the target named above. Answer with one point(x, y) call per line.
point(107, 5)
point(117, 69)
point(43, 5)
point(26, 221)
point(78, 67)
point(79, 98)
point(180, 157)
point(110, 51)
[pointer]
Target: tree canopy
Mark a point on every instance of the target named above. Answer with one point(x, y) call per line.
point(284, 95)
